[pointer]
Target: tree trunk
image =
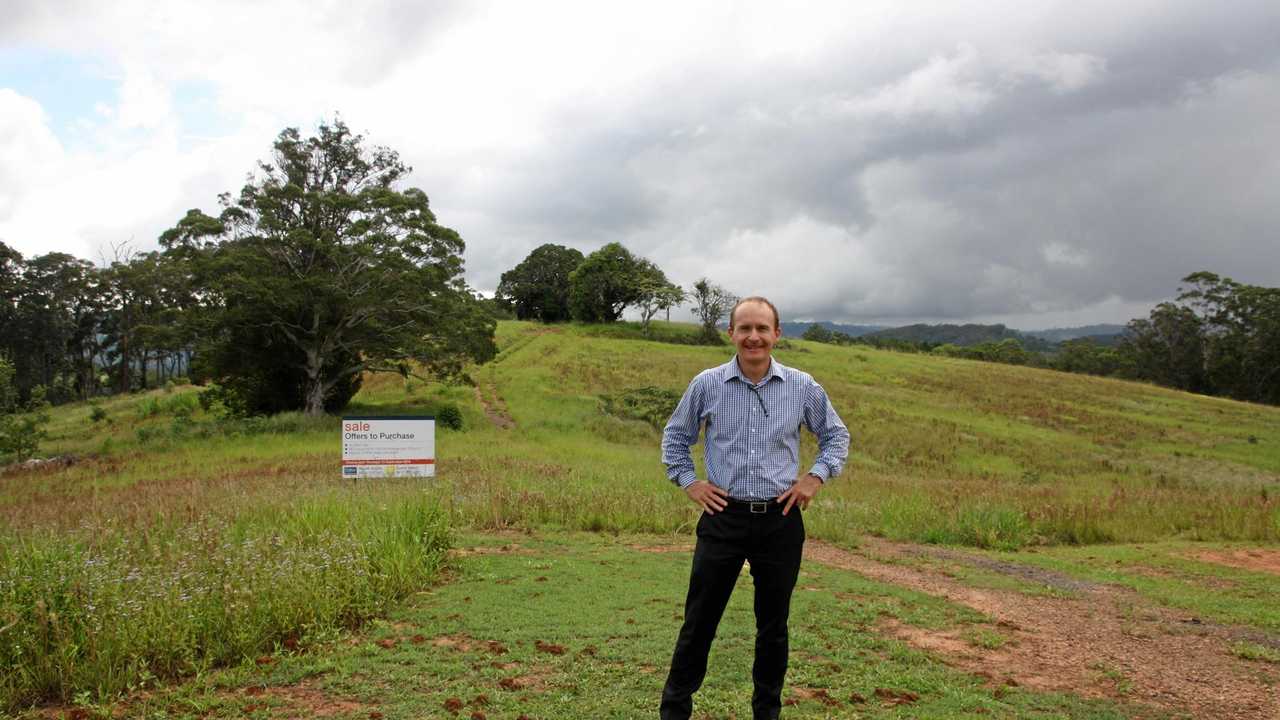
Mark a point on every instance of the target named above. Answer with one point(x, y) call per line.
point(315, 385)
point(124, 363)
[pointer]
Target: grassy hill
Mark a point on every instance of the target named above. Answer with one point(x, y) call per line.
point(182, 522)
point(944, 450)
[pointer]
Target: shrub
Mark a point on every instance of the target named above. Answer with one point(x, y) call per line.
point(449, 416)
point(220, 402)
point(97, 414)
point(22, 433)
point(650, 404)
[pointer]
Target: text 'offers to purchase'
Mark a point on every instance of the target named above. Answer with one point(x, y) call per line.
point(388, 446)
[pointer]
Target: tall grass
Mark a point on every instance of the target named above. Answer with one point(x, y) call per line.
point(118, 606)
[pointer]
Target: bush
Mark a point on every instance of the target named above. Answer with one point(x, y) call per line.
point(220, 402)
point(449, 416)
point(97, 414)
point(22, 433)
point(650, 404)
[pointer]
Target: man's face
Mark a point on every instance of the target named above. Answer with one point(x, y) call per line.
point(753, 331)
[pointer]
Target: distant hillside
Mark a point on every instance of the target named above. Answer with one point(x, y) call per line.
point(796, 329)
point(1098, 333)
point(970, 334)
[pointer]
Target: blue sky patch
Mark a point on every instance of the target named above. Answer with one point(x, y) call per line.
point(67, 86)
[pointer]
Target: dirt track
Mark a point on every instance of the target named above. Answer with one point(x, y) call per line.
point(1101, 641)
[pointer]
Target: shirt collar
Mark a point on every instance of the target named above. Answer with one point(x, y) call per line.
point(731, 371)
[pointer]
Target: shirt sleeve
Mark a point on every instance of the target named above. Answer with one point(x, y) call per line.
point(833, 438)
point(681, 433)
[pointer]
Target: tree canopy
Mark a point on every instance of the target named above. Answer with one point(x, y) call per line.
point(711, 304)
point(656, 292)
point(1220, 337)
point(538, 288)
point(322, 269)
point(605, 283)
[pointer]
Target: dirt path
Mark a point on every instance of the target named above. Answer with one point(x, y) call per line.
point(494, 408)
point(1103, 641)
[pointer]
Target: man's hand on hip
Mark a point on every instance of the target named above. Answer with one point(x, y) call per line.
point(801, 493)
point(710, 497)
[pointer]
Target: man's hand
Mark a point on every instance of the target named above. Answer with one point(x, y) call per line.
point(710, 497)
point(801, 493)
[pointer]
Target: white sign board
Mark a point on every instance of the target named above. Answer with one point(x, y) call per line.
point(388, 446)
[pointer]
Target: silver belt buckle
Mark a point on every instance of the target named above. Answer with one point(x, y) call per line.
point(759, 508)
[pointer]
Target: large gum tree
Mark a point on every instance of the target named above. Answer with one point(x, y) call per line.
point(322, 269)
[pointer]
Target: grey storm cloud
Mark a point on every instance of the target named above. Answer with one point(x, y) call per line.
point(950, 181)
point(862, 162)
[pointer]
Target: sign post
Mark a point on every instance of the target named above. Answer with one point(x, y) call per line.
point(388, 446)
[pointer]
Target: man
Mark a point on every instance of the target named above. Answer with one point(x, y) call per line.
point(752, 500)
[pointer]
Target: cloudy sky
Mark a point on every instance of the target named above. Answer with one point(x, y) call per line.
point(1032, 163)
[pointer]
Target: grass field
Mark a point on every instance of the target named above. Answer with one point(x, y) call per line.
point(233, 539)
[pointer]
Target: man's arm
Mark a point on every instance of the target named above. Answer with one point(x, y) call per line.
point(833, 437)
point(833, 447)
point(678, 436)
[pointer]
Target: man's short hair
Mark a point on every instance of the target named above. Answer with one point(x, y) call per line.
point(755, 298)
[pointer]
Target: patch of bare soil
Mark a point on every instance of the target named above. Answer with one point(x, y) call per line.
point(1257, 559)
point(1104, 641)
point(494, 407)
point(508, 549)
point(302, 701)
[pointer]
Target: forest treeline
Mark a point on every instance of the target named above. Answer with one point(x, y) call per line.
point(1220, 337)
point(322, 268)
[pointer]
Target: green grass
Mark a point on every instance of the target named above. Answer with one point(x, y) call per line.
point(1170, 575)
point(115, 607)
point(944, 451)
point(1254, 651)
point(573, 625)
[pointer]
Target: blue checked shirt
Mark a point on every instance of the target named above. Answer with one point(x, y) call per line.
point(750, 453)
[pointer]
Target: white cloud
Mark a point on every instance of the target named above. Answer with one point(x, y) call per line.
point(30, 154)
point(946, 85)
point(885, 160)
point(1063, 72)
point(144, 100)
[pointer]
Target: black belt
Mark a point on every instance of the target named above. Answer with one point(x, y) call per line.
point(754, 507)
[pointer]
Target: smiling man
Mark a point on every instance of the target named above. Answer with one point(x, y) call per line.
point(753, 408)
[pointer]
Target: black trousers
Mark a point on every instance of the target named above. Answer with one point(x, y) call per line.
point(772, 544)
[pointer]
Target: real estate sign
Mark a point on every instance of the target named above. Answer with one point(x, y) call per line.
point(388, 446)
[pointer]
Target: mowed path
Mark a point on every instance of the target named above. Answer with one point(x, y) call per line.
point(1100, 640)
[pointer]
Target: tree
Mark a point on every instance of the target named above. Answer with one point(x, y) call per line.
point(1168, 348)
point(21, 428)
point(57, 311)
point(538, 288)
point(1241, 335)
point(1083, 355)
point(711, 303)
point(320, 270)
point(656, 293)
point(604, 284)
point(818, 333)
